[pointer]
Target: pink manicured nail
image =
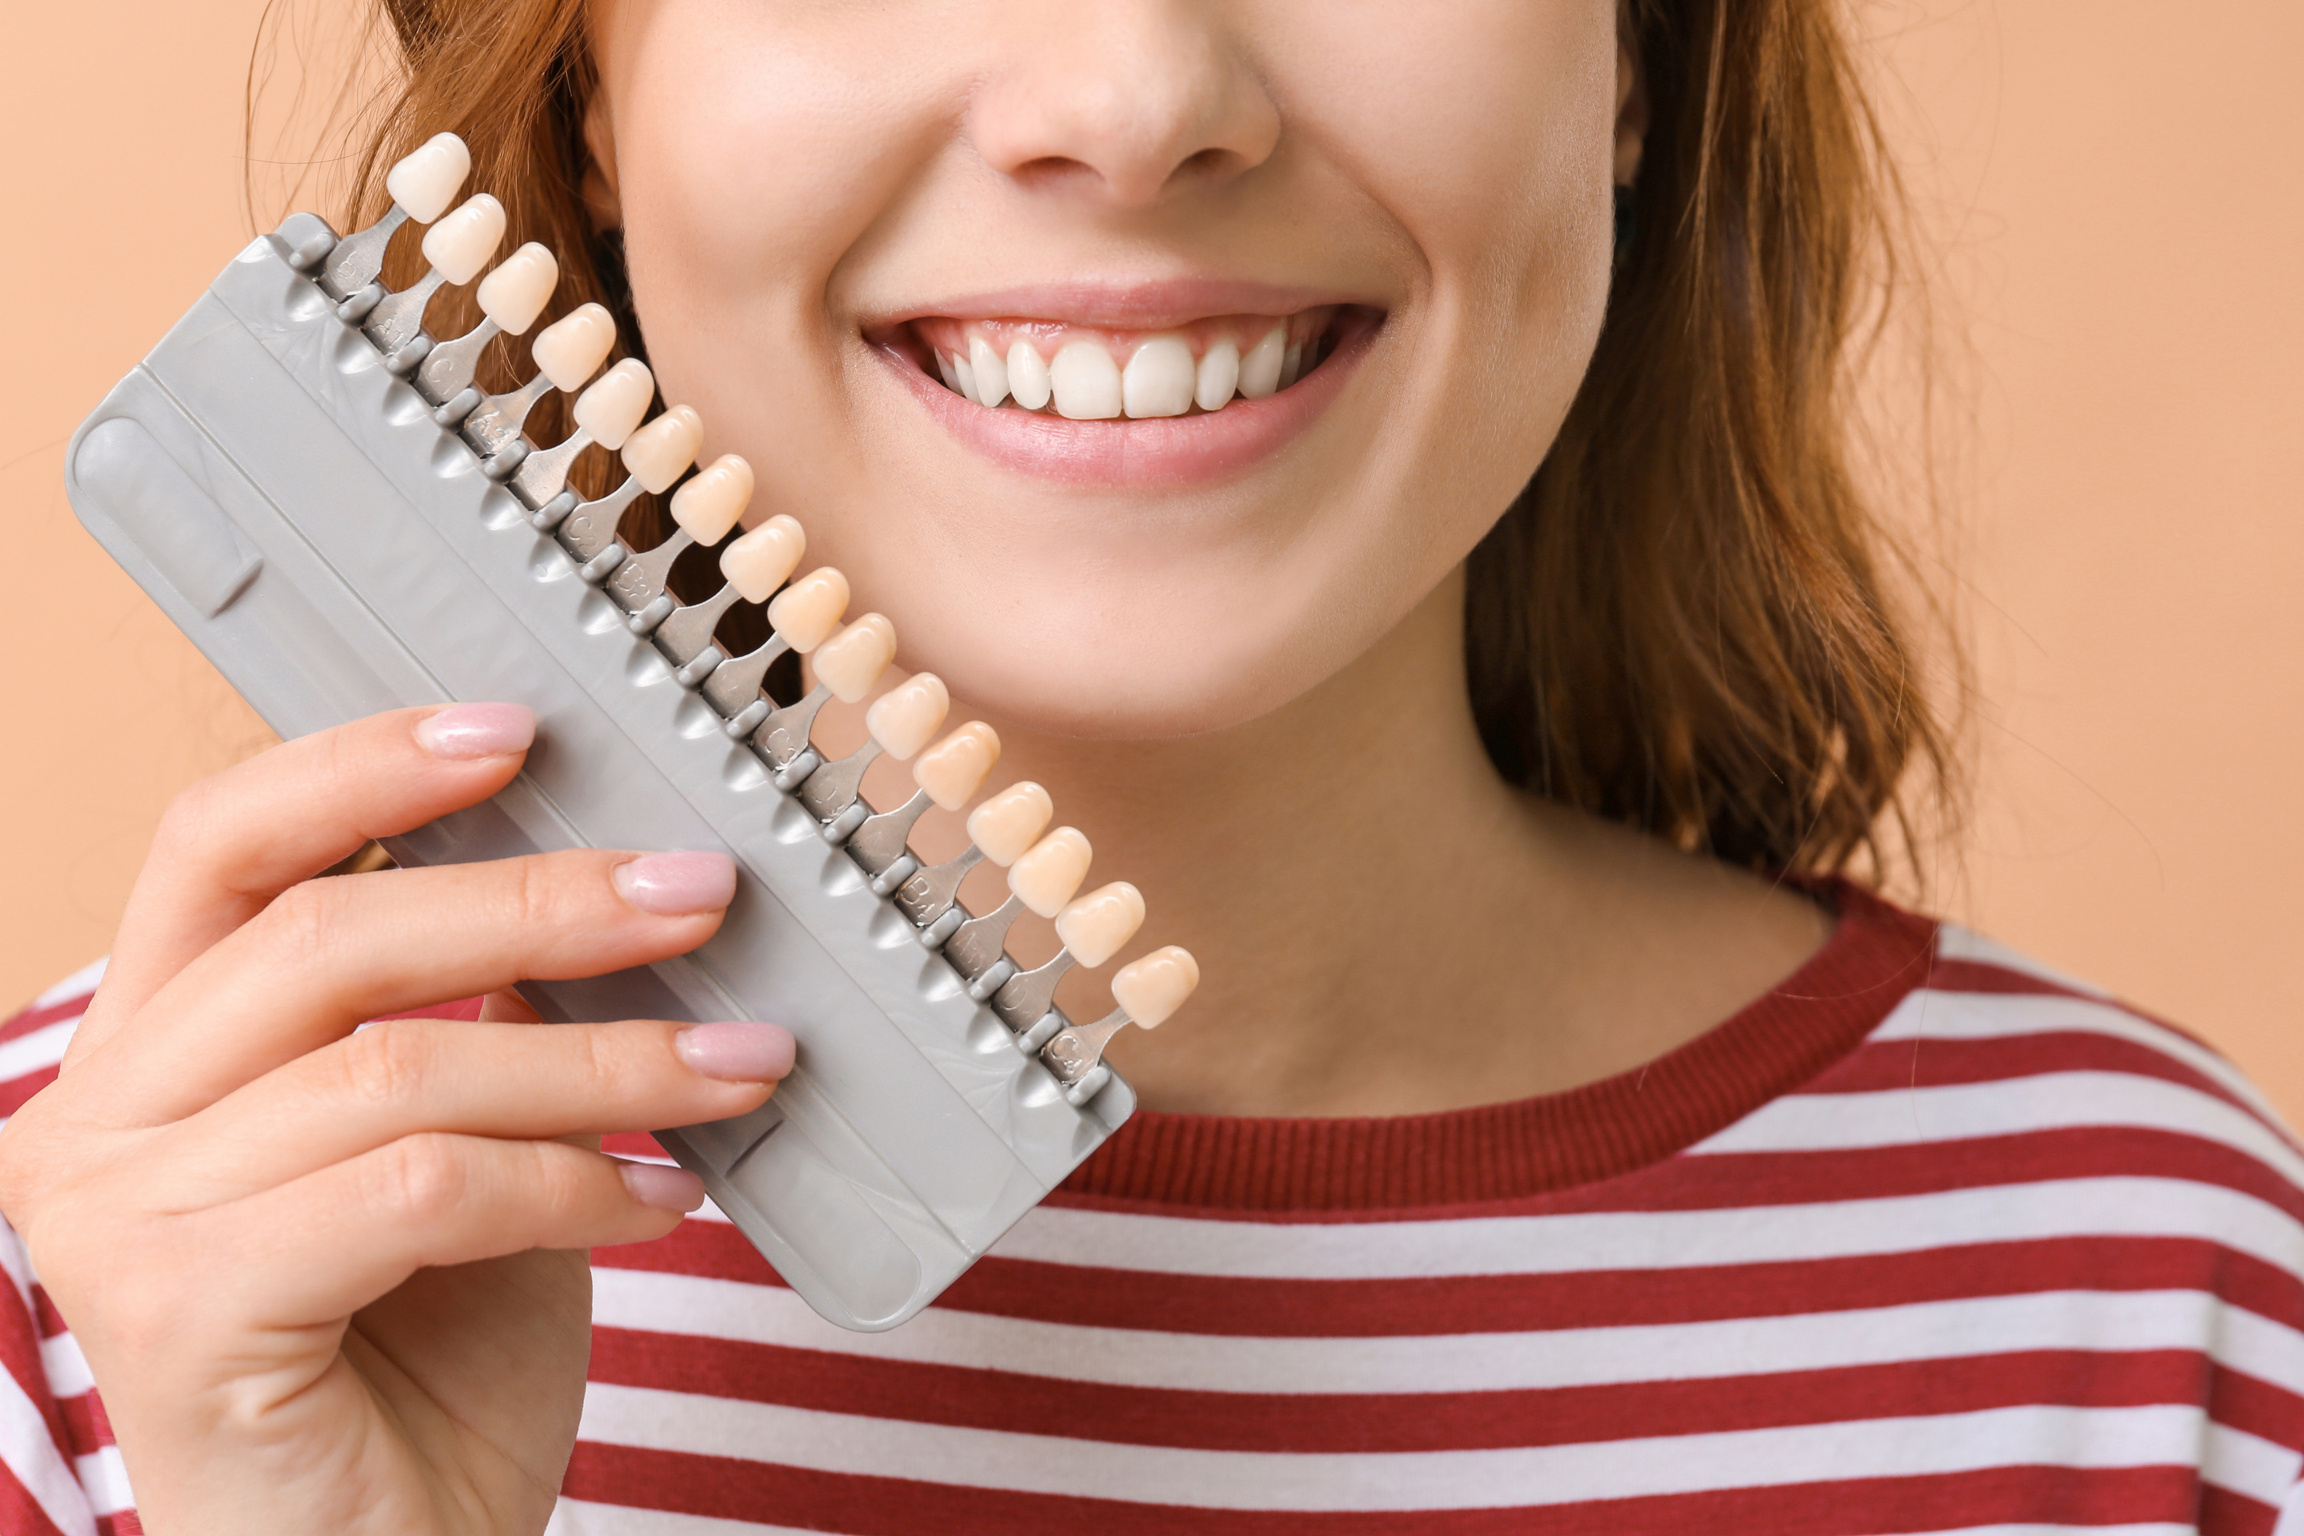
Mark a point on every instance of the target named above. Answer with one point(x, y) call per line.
point(676, 884)
point(736, 1053)
point(666, 1189)
point(477, 730)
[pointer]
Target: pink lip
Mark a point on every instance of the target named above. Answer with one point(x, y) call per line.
point(1162, 451)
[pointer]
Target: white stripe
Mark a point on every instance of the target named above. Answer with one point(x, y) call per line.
point(1473, 1362)
point(65, 1367)
point(31, 1455)
point(105, 1476)
point(1521, 1476)
point(576, 1517)
point(1641, 1240)
point(2000, 1016)
point(43, 1048)
point(2045, 1101)
point(80, 981)
point(2291, 1521)
point(2248, 1464)
point(1954, 942)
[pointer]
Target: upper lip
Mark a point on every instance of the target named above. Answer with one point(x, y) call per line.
point(1122, 306)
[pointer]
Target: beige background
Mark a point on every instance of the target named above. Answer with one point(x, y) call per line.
point(2115, 190)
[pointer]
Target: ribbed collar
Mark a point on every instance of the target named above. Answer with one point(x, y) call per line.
point(1217, 1164)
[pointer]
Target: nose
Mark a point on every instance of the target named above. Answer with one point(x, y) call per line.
point(1126, 102)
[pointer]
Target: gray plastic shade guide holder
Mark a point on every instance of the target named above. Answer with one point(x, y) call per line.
point(296, 510)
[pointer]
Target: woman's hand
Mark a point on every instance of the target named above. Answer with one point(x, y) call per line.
point(331, 1281)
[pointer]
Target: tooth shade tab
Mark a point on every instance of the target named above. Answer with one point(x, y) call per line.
point(1085, 381)
point(708, 505)
point(1095, 927)
point(903, 718)
point(1260, 367)
point(955, 768)
point(612, 407)
point(805, 612)
point(1159, 379)
point(460, 244)
point(851, 661)
point(660, 452)
point(1004, 826)
point(1151, 988)
point(572, 348)
point(988, 370)
point(1028, 376)
point(757, 563)
point(1046, 874)
point(516, 292)
point(1217, 376)
point(426, 182)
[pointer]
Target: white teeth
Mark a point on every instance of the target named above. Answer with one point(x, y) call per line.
point(1218, 375)
point(1260, 369)
point(991, 373)
point(964, 375)
point(1159, 378)
point(1292, 364)
point(944, 367)
point(1027, 376)
point(1086, 382)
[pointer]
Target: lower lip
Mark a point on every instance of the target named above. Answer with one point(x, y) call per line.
point(1160, 451)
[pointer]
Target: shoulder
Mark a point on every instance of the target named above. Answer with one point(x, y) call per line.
point(32, 1041)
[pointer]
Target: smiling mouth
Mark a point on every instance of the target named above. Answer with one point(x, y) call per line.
point(1085, 373)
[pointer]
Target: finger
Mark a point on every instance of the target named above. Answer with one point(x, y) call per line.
point(514, 1081)
point(229, 844)
point(329, 954)
point(318, 1249)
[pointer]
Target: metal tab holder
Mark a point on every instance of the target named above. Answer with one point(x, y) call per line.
point(297, 510)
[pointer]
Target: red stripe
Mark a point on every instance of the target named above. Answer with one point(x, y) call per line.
point(20, 1513)
point(1378, 1423)
point(730, 1489)
point(44, 1308)
point(1984, 976)
point(29, 1020)
point(124, 1523)
point(90, 1426)
point(20, 1354)
point(1925, 1061)
point(631, 1144)
point(17, 1091)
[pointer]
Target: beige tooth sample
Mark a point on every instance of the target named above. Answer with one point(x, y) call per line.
point(572, 348)
point(903, 718)
point(1028, 376)
point(955, 768)
point(1217, 376)
point(851, 661)
point(1260, 369)
point(1152, 987)
point(425, 183)
point(660, 452)
point(1095, 927)
point(516, 292)
point(460, 244)
point(1085, 382)
point(613, 406)
point(1159, 379)
point(1045, 875)
point(757, 563)
point(709, 504)
point(1004, 826)
point(989, 370)
point(804, 612)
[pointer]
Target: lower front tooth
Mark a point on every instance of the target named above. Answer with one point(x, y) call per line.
point(1260, 369)
point(1027, 376)
point(991, 373)
point(1218, 376)
point(1086, 382)
point(966, 374)
point(1159, 379)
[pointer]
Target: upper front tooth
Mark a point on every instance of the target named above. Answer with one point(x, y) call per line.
point(1159, 378)
point(965, 374)
point(1291, 364)
point(944, 367)
point(1086, 382)
point(1260, 369)
point(991, 373)
point(1218, 376)
point(1027, 376)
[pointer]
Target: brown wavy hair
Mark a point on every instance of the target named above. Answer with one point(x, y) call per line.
point(1689, 620)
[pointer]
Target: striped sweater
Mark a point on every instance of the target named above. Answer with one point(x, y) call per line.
point(1929, 1239)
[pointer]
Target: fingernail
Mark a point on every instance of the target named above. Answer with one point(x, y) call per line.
point(676, 884)
point(736, 1053)
point(477, 730)
point(665, 1189)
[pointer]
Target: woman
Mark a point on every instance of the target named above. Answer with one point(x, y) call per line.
point(1558, 1141)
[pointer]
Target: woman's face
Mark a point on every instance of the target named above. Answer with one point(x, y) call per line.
point(823, 198)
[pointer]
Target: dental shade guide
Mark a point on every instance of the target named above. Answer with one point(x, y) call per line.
point(313, 489)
